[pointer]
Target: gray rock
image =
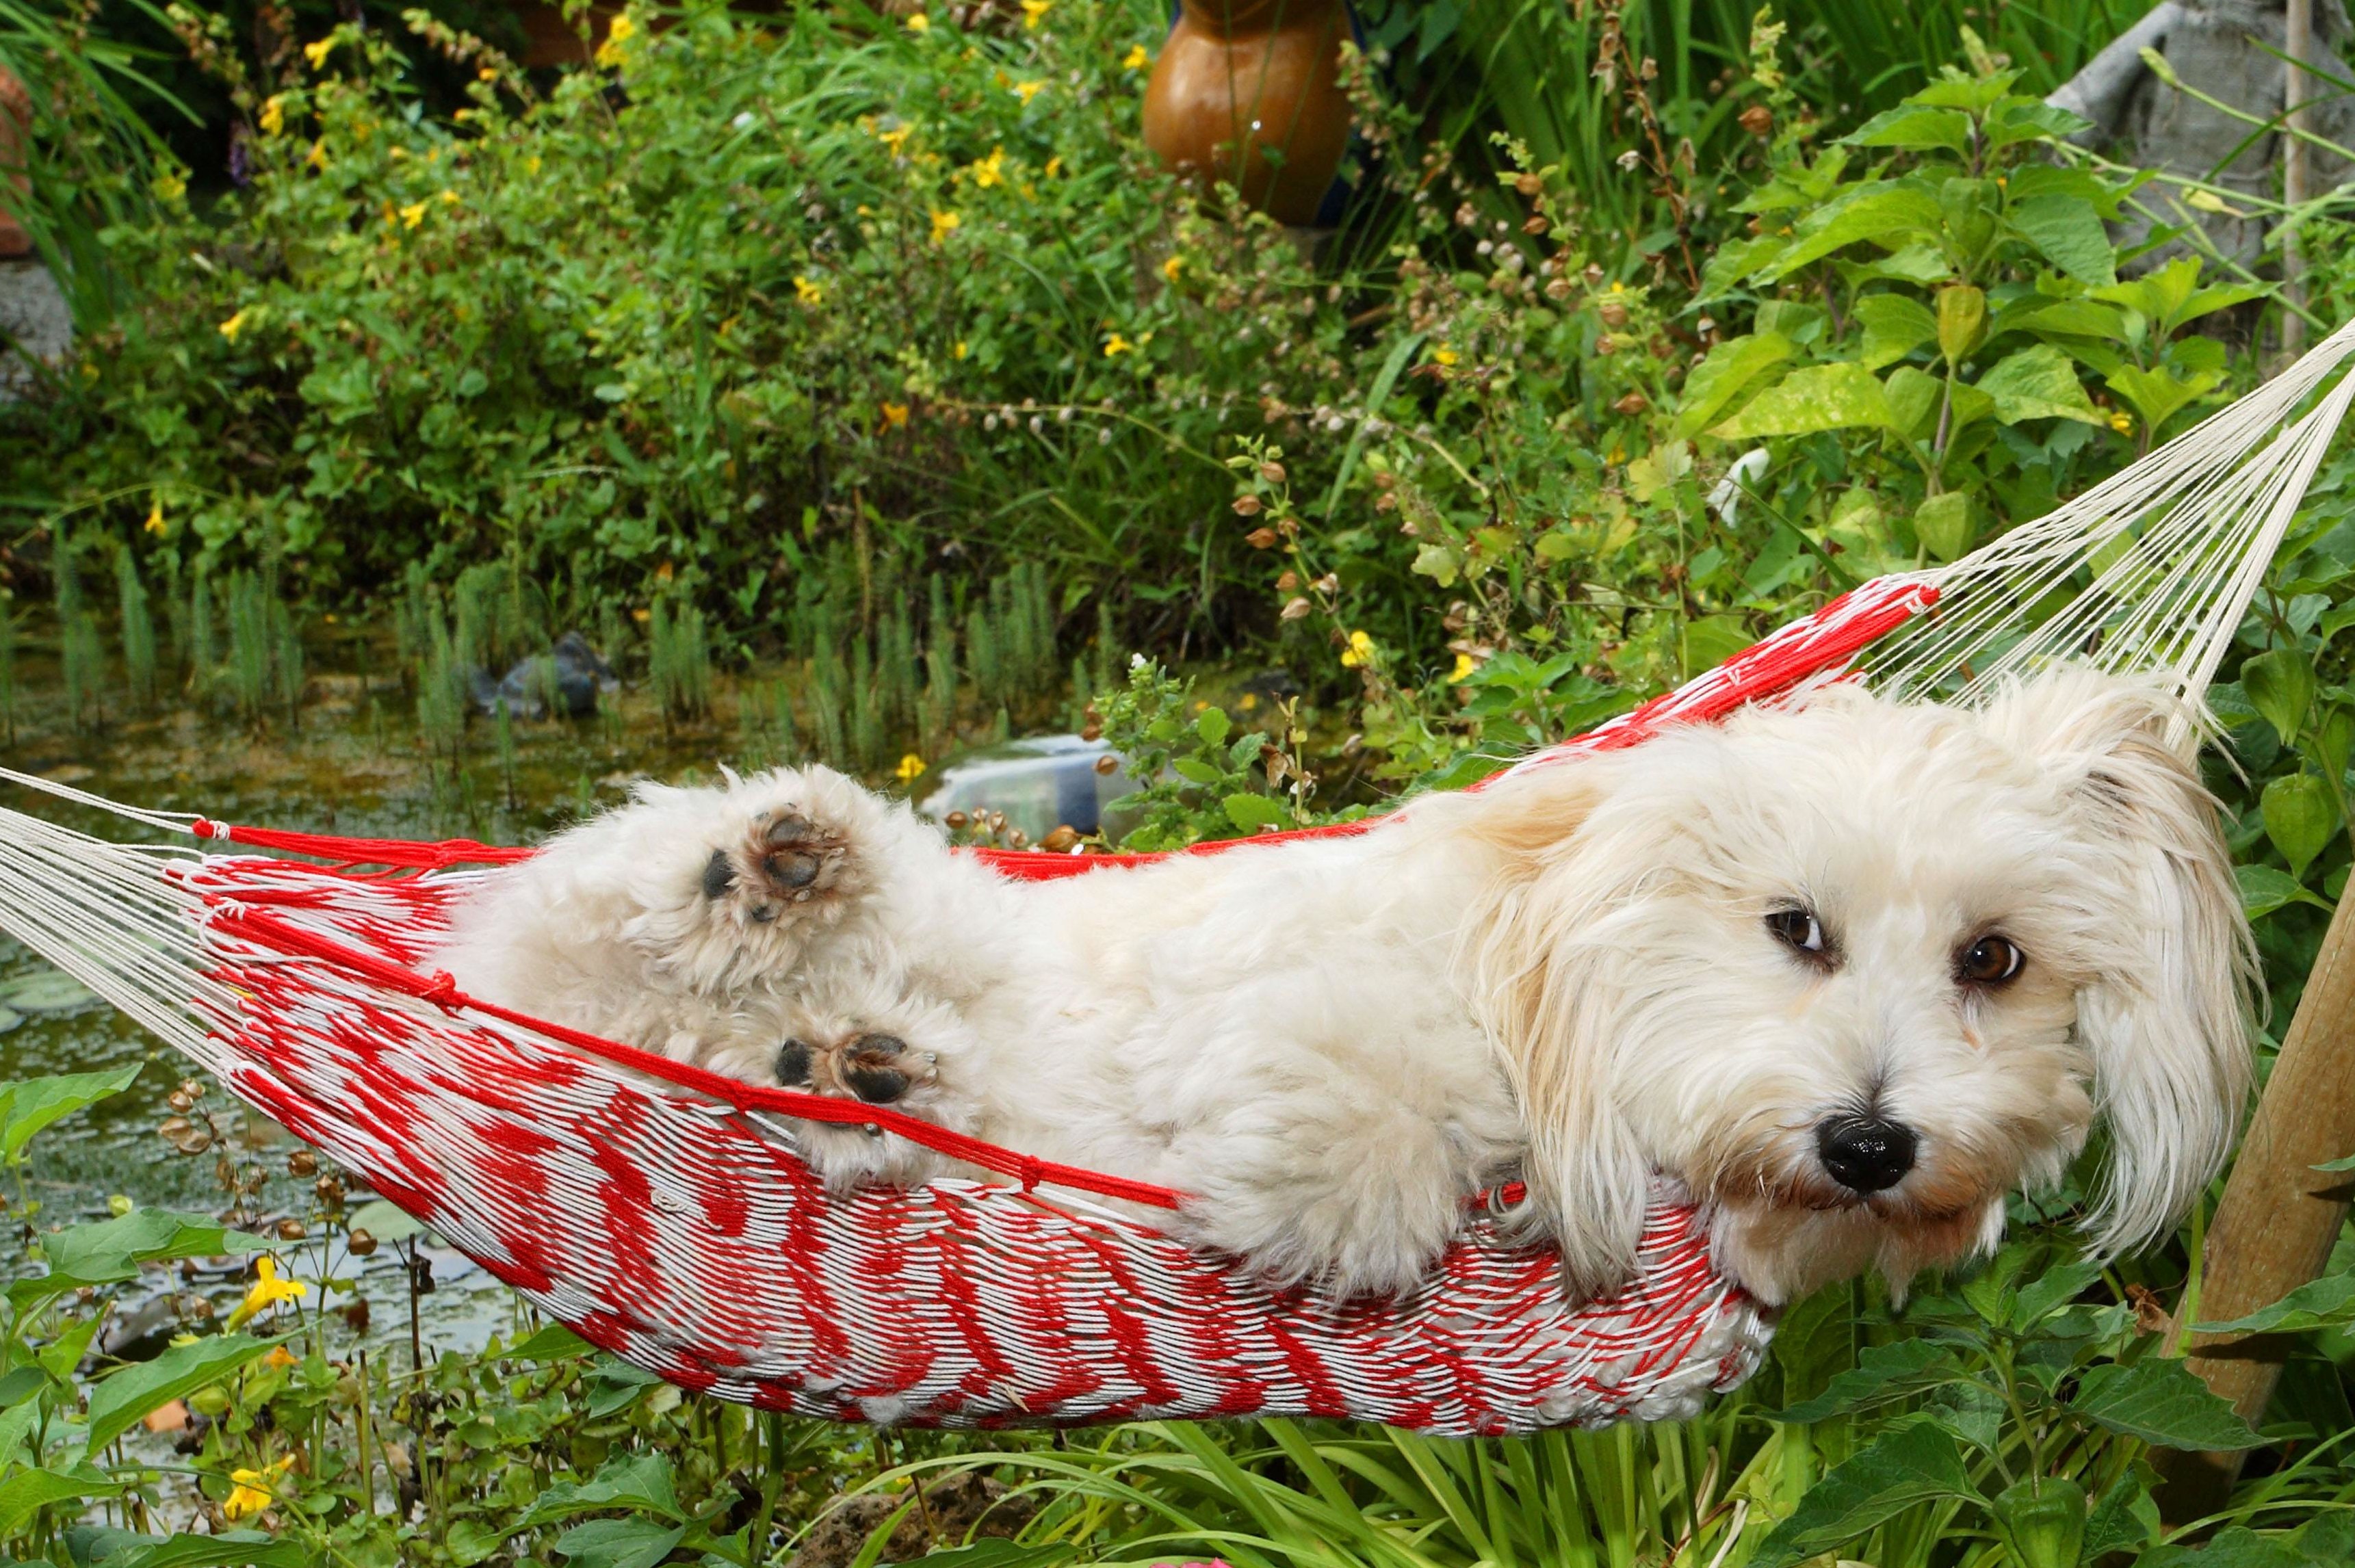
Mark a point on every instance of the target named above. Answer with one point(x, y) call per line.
point(33, 317)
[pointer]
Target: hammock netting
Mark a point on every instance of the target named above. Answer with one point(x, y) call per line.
point(663, 1213)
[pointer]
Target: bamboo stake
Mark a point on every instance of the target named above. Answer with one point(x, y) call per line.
point(2296, 167)
point(2274, 1230)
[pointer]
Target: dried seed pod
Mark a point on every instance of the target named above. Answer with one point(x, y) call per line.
point(1247, 507)
point(193, 1088)
point(187, 1136)
point(359, 1242)
point(1091, 731)
point(1260, 538)
point(1758, 120)
point(1536, 226)
point(181, 1100)
point(330, 1189)
point(291, 1230)
point(1528, 183)
point(1288, 582)
point(1016, 838)
point(1062, 841)
point(1614, 314)
point(1294, 611)
point(1107, 764)
point(1594, 276)
point(1272, 472)
point(302, 1162)
point(956, 819)
point(1632, 403)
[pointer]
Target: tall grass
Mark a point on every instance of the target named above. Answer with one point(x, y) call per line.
point(137, 625)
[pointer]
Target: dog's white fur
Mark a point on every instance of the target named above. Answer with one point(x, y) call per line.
point(1570, 975)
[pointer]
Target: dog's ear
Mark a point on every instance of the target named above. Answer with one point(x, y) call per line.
point(2167, 1023)
point(1535, 969)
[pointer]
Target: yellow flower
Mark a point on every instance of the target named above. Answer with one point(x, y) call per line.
point(986, 171)
point(449, 198)
point(170, 185)
point(641, 615)
point(268, 1291)
point(1116, 344)
point(249, 1490)
point(1442, 356)
point(236, 323)
point(919, 22)
point(1054, 166)
point(894, 415)
point(279, 1356)
point(413, 214)
point(272, 119)
point(318, 158)
point(1027, 91)
point(2122, 422)
point(893, 138)
point(1035, 12)
point(960, 349)
point(317, 53)
point(1360, 651)
point(1463, 670)
point(1136, 58)
point(155, 524)
point(808, 292)
point(944, 225)
point(621, 31)
point(909, 766)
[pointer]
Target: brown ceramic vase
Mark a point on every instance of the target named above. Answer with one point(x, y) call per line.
point(16, 125)
point(1248, 92)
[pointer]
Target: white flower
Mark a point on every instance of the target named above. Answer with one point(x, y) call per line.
point(743, 122)
point(1747, 470)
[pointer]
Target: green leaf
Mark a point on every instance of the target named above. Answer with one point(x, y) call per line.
point(2125, 1519)
point(554, 1342)
point(111, 1251)
point(2038, 383)
point(1887, 214)
point(1883, 1373)
point(2279, 685)
point(2157, 394)
point(2049, 1291)
point(2157, 1399)
point(1213, 726)
point(639, 1482)
point(1823, 397)
point(1913, 130)
point(46, 991)
point(619, 1543)
point(2069, 233)
point(1895, 325)
point(469, 1542)
point(118, 1401)
point(27, 1492)
point(108, 1547)
point(1736, 261)
point(1711, 640)
point(2264, 889)
point(1730, 369)
point(1253, 812)
point(2300, 819)
point(2325, 1303)
point(30, 1105)
point(1916, 1464)
point(1946, 526)
point(1193, 770)
point(2042, 1519)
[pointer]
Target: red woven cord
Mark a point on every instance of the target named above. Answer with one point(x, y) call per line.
point(269, 930)
point(1803, 649)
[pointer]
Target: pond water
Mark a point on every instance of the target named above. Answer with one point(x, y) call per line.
point(351, 763)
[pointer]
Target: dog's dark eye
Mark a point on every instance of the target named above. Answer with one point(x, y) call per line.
point(1799, 930)
point(1990, 960)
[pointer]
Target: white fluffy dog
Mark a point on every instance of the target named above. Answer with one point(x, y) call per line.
point(1847, 970)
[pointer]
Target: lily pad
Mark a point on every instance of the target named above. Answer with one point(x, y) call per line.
point(46, 991)
point(9, 1019)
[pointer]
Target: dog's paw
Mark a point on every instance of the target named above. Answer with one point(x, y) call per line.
point(871, 1066)
point(786, 861)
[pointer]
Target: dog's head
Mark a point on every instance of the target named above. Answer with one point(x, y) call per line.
point(1852, 971)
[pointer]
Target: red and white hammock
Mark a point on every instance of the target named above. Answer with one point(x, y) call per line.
point(662, 1213)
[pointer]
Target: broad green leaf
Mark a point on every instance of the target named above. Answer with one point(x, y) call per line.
point(1213, 726)
point(1945, 525)
point(46, 991)
point(1253, 812)
point(1888, 214)
point(29, 1105)
point(2158, 394)
point(1193, 770)
point(2049, 1291)
point(2324, 1543)
point(1823, 397)
point(2060, 318)
point(639, 1482)
point(1731, 367)
point(385, 1222)
point(2300, 818)
point(1916, 1464)
point(619, 1543)
point(2264, 889)
point(2280, 685)
point(2158, 1401)
point(1713, 639)
point(469, 1542)
point(2038, 383)
point(1881, 1374)
point(1962, 311)
point(16, 1422)
point(1895, 325)
point(2125, 1519)
point(111, 1251)
point(1736, 261)
point(552, 1343)
point(2325, 1303)
point(119, 1401)
point(26, 1492)
point(2070, 234)
point(1815, 1341)
point(236, 1549)
point(1913, 130)
point(1914, 398)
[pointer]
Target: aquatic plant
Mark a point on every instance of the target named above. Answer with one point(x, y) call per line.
point(137, 626)
point(82, 661)
point(8, 672)
point(678, 659)
point(441, 684)
point(503, 730)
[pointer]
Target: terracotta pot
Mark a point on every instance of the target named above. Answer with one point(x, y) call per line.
point(1248, 92)
point(15, 124)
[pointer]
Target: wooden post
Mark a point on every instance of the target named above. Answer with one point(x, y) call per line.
point(2274, 1230)
point(2297, 163)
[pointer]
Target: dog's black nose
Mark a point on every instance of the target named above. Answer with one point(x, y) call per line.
point(1865, 1154)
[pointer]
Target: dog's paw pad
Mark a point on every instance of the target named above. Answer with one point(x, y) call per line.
point(877, 1069)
